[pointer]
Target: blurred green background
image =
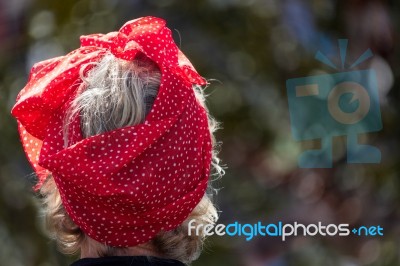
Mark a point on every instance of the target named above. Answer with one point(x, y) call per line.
point(250, 48)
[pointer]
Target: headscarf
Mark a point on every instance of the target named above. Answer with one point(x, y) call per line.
point(124, 186)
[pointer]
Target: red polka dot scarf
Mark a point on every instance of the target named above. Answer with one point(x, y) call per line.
point(124, 186)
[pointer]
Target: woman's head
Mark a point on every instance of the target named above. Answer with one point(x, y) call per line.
point(119, 93)
point(122, 142)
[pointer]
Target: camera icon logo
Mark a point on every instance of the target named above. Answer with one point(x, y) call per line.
point(340, 104)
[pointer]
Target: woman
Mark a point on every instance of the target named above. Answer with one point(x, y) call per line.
point(122, 143)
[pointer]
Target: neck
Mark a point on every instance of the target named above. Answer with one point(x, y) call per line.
point(92, 249)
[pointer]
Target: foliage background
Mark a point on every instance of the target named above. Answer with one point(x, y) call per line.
point(250, 48)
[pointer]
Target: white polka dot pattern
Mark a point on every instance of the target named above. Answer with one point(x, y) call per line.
point(124, 186)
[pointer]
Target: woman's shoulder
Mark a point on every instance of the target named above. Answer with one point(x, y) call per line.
point(128, 261)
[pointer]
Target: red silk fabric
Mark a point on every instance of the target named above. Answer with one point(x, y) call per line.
point(120, 187)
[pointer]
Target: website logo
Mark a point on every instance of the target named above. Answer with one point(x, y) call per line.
point(281, 230)
point(339, 104)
